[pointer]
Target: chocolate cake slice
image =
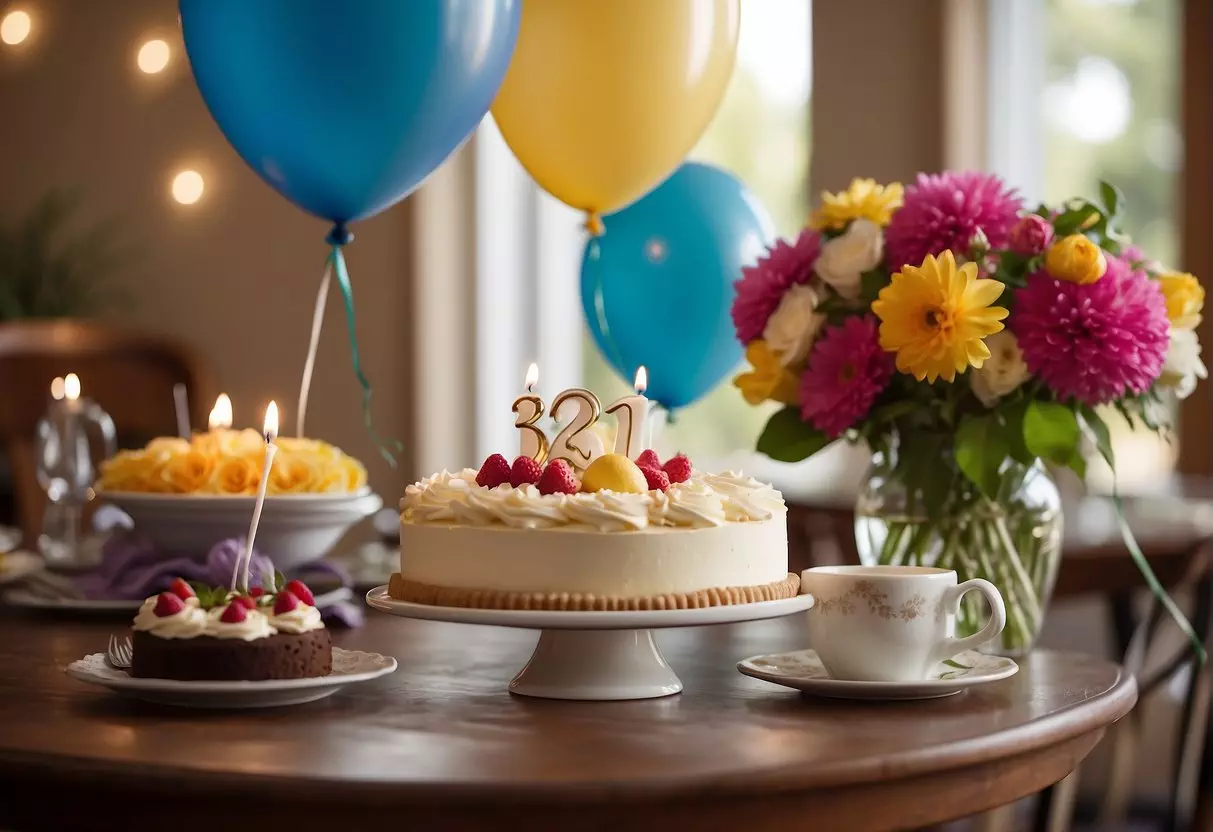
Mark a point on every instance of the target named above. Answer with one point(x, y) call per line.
point(280, 656)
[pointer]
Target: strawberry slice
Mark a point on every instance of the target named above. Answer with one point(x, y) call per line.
point(168, 604)
point(181, 589)
point(285, 602)
point(299, 590)
point(235, 613)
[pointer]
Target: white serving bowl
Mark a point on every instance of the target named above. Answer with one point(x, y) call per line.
point(295, 529)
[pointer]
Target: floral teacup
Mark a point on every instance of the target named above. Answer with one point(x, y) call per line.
point(891, 623)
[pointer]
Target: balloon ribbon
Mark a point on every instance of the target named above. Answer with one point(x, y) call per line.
point(335, 264)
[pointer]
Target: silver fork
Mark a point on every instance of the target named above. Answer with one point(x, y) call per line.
point(119, 653)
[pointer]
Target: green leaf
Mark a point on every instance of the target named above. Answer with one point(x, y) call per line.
point(1050, 431)
point(1076, 219)
point(1100, 433)
point(957, 665)
point(1112, 197)
point(892, 411)
point(981, 449)
point(788, 438)
point(279, 582)
point(1078, 464)
point(1157, 588)
point(871, 282)
point(1012, 426)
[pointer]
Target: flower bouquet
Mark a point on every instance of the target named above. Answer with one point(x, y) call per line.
point(967, 340)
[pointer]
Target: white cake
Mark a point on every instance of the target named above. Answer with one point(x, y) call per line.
point(713, 539)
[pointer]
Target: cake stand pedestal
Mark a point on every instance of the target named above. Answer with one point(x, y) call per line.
point(593, 655)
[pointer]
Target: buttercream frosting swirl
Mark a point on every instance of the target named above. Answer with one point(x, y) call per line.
point(744, 498)
point(608, 511)
point(703, 501)
point(431, 500)
point(254, 626)
point(303, 618)
point(188, 622)
point(687, 504)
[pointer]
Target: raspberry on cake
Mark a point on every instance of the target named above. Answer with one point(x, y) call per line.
point(213, 633)
point(629, 535)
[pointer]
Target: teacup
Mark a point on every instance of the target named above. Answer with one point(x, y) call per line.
point(891, 623)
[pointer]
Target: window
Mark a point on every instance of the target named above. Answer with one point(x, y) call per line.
point(760, 134)
point(1096, 99)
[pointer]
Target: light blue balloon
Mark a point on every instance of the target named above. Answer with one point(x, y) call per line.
point(345, 106)
point(657, 287)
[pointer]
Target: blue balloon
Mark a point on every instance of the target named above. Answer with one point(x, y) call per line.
point(345, 107)
point(657, 287)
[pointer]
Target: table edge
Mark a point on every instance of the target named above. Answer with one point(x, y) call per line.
point(1101, 711)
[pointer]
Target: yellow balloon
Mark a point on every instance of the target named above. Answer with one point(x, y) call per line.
point(604, 98)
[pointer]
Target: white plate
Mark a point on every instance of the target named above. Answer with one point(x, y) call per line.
point(349, 666)
point(24, 599)
point(803, 671)
point(563, 620)
point(294, 530)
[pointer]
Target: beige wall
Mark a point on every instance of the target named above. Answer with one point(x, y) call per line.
point(878, 103)
point(235, 275)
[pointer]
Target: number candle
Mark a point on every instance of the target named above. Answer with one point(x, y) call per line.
point(532, 441)
point(576, 443)
point(632, 413)
point(271, 433)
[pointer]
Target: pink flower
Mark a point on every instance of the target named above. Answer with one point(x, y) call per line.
point(1095, 342)
point(1030, 235)
point(944, 211)
point(762, 285)
point(847, 370)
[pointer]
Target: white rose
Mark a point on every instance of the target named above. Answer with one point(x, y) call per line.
point(790, 331)
point(1183, 366)
point(844, 259)
point(1002, 372)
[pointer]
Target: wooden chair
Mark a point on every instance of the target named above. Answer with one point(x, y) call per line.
point(130, 374)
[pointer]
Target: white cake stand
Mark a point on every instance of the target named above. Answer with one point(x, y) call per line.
point(593, 655)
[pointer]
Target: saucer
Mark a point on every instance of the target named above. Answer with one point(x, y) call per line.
point(804, 671)
point(348, 666)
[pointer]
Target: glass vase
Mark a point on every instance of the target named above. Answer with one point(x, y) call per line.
point(1013, 540)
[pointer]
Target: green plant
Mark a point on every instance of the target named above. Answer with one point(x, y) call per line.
point(51, 267)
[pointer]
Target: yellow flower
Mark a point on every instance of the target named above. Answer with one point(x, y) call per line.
point(769, 379)
point(297, 473)
point(125, 471)
point(1185, 299)
point(355, 472)
point(864, 199)
point(935, 317)
point(1075, 259)
point(186, 473)
point(235, 475)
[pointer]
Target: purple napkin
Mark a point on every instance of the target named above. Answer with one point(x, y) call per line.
point(132, 569)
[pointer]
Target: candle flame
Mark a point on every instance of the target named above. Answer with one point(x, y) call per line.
point(271, 422)
point(221, 413)
point(57, 388)
point(71, 387)
point(642, 380)
point(532, 377)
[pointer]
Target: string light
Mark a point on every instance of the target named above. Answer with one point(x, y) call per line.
point(15, 27)
point(187, 187)
point(153, 56)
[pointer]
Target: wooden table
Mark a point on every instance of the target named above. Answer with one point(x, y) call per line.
point(441, 745)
